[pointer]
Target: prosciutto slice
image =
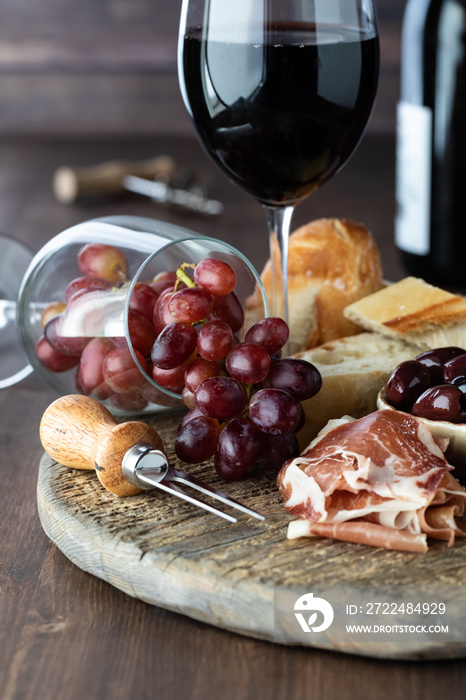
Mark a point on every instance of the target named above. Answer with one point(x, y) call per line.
point(380, 480)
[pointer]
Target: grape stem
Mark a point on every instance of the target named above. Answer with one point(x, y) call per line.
point(183, 277)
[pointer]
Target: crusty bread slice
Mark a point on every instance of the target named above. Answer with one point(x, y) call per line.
point(353, 370)
point(414, 310)
point(332, 262)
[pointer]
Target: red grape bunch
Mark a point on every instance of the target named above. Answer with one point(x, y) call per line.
point(244, 400)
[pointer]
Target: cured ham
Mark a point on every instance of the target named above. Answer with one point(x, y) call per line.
point(381, 480)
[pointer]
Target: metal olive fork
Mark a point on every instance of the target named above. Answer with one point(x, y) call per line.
point(79, 432)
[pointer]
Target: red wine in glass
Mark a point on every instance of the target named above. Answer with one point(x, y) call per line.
point(279, 105)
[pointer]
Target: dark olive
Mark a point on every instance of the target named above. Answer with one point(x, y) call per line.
point(435, 359)
point(440, 355)
point(409, 380)
point(444, 402)
point(454, 368)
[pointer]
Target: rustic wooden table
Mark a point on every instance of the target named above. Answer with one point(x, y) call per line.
point(66, 634)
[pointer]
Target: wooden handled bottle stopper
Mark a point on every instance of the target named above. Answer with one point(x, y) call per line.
point(80, 433)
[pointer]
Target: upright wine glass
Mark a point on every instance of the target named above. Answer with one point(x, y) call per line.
point(280, 93)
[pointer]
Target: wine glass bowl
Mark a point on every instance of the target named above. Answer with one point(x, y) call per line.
point(102, 329)
point(280, 94)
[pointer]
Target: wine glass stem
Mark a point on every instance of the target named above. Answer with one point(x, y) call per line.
point(278, 222)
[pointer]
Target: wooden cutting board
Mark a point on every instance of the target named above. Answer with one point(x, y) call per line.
point(168, 553)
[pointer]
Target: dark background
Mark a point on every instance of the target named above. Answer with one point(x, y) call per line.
point(109, 67)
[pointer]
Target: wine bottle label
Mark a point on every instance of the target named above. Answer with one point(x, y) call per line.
point(414, 153)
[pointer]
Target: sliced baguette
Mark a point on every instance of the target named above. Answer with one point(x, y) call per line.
point(415, 311)
point(332, 262)
point(353, 370)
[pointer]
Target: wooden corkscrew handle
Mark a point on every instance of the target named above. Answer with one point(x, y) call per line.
point(79, 432)
point(71, 183)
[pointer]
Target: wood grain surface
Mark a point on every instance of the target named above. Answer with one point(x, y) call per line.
point(168, 553)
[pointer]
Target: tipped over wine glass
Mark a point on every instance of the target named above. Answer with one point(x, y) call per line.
point(280, 93)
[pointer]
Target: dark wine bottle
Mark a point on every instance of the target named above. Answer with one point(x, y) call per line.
point(430, 227)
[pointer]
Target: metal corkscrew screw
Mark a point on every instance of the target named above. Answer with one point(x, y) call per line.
point(79, 432)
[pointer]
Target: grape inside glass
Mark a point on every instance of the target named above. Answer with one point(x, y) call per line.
point(280, 93)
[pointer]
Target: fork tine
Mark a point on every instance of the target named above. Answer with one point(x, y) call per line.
point(190, 480)
point(176, 490)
